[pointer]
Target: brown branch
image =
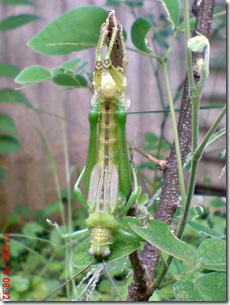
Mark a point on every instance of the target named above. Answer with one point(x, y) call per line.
point(141, 280)
point(169, 201)
point(161, 164)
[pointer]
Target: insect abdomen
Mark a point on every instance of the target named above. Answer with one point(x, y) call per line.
point(101, 239)
point(102, 227)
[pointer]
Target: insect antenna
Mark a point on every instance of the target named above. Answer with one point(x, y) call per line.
point(69, 280)
point(111, 281)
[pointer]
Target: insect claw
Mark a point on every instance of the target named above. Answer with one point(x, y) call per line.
point(49, 221)
point(53, 224)
point(106, 253)
point(91, 252)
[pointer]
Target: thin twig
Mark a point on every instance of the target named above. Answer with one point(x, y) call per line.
point(69, 280)
point(111, 281)
point(161, 164)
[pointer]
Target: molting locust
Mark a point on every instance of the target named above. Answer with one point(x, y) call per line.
point(110, 178)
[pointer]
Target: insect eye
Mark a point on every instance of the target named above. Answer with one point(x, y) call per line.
point(107, 63)
point(99, 64)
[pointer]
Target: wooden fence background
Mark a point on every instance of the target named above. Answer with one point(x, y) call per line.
point(63, 115)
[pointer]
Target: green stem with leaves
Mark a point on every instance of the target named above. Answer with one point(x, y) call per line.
point(176, 137)
point(165, 59)
point(203, 144)
point(195, 162)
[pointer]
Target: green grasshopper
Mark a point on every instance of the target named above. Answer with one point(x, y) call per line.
point(108, 171)
point(110, 178)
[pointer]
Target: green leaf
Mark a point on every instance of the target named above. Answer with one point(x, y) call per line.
point(125, 226)
point(57, 70)
point(210, 287)
point(8, 145)
point(22, 210)
point(75, 30)
point(151, 137)
point(53, 208)
point(70, 64)
point(192, 22)
point(32, 228)
point(2, 174)
point(55, 237)
point(160, 235)
point(212, 254)
point(186, 290)
point(139, 32)
point(33, 74)
point(136, 3)
point(64, 79)
point(173, 10)
point(17, 2)
point(80, 256)
point(217, 203)
point(37, 288)
point(213, 286)
point(14, 218)
point(8, 70)
point(114, 2)
point(216, 135)
point(202, 229)
point(122, 246)
point(11, 96)
point(68, 194)
point(131, 3)
point(20, 283)
point(143, 198)
point(80, 69)
point(149, 165)
point(16, 248)
point(195, 212)
point(7, 126)
point(15, 21)
point(160, 39)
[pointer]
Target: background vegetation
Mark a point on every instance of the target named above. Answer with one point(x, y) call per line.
point(39, 259)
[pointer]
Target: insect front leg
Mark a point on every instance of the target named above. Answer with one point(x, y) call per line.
point(98, 62)
point(124, 165)
point(67, 236)
point(83, 202)
point(94, 115)
point(78, 192)
point(135, 193)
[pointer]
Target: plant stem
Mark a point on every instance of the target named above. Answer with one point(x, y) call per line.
point(69, 226)
point(163, 272)
point(201, 147)
point(183, 274)
point(195, 162)
point(158, 58)
point(192, 89)
point(177, 144)
point(188, 52)
point(165, 59)
point(54, 172)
